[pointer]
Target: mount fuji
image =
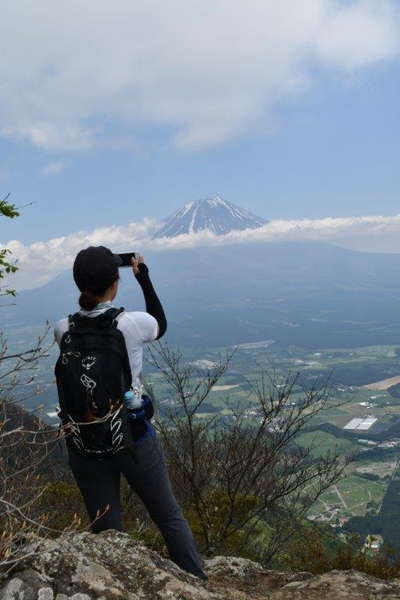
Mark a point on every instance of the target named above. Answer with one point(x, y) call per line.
point(304, 294)
point(214, 214)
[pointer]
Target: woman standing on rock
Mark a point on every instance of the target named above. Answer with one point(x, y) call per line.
point(105, 417)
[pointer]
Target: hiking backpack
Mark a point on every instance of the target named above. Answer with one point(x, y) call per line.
point(93, 374)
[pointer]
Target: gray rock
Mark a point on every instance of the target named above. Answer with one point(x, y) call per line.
point(45, 594)
point(13, 590)
point(114, 566)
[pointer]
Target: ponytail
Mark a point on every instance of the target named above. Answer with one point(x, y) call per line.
point(87, 300)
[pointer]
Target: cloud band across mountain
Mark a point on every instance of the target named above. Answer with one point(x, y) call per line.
point(41, 261)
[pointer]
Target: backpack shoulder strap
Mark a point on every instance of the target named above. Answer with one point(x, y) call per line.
point(107, 319)
point(72, 320)
point(112, 316)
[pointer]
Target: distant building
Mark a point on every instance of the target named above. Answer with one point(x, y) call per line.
point(372, 543)
point(391, 444)
point(251, 412)
point(360, 424)
point(204, 363)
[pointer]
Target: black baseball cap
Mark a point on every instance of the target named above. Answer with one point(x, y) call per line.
point(95, 269)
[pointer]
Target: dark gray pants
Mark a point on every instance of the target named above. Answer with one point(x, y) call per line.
point(99, 483)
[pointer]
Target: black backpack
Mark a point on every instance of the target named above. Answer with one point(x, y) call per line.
point(93, 373)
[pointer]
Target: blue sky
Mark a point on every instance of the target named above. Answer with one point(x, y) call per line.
point(334, 152)
point(289, 110)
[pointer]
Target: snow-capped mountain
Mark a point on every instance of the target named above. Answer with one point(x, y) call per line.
point(215, 214)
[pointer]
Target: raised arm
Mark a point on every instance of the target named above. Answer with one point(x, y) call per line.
point(153, 304)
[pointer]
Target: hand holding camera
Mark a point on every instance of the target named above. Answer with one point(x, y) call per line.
point(135, 262)
point(141, 273)
point(131, 259)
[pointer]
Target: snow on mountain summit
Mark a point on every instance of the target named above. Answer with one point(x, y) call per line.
point(215, 214)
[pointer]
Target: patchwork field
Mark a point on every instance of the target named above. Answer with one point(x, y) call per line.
point(351, 497)
point(385, 384)
point(358, 382)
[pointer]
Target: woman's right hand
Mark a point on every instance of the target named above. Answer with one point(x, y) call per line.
point(135, 264)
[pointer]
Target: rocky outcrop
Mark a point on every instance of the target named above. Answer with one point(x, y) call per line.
point(113, 566)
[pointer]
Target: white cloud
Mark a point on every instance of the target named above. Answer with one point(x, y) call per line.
point(41, 261)
point(351, 37)
point(53, 168)
point(365, 234)
point(207, 70)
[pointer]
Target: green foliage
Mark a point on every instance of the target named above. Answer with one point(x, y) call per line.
point(225, 537)
point(63, 505)
point(369, 476)
point(322, 442)
point(377, 454)
point(307, 550)
point(364, 525)
point(389, 516)
point(149, 536)
point(318, 550)
point(7, 209)
point(394, 390)
point(6, 267)
point(379, 564)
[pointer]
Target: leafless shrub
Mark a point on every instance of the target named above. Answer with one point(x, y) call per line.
point(26, 443)
point(242, 472)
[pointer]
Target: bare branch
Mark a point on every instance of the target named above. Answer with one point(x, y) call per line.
point(234, 470)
